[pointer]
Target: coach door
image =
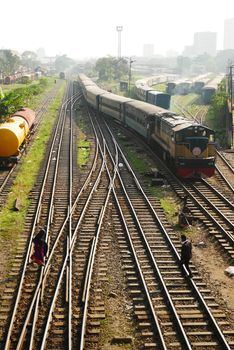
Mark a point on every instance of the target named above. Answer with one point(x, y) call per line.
point(149, 127)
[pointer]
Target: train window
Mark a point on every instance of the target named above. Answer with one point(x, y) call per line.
point(204, 133)
point(211, 138)
point(179, 137)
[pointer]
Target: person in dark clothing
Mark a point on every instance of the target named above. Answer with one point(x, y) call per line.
point(186, 254)
point(40, 248)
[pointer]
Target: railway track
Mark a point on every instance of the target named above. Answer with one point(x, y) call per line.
point(207, 205)
point(42, 211)
point(148, 240)
point(198, 115)
point(109, 216)
point(224, 174)
point(215, 212)
point(8, 176)
point(30, 328)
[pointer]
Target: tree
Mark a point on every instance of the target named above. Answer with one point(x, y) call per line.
point(109, 68)
point(9, 62)
point(218, 117)
point(29, 59)
point(63, 62)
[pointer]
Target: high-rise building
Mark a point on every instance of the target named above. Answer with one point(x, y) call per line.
point(205, 42)
point(41, 53)
point(228, 42)
point(148, 50)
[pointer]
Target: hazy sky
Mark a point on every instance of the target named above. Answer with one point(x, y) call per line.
point(87, 28)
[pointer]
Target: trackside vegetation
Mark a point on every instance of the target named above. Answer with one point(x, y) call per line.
point(12, 222)
point(83, 151)
point(217, 117)
point(23, 96)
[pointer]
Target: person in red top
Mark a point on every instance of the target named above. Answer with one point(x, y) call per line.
point(186, 254)
point(40, 248)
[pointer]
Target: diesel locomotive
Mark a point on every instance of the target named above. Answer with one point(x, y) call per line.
point(13, 135)
point(188, 147)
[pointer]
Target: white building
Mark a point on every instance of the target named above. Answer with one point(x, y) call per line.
point(228, 42)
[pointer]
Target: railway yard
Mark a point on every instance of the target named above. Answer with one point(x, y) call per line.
point(112, 277)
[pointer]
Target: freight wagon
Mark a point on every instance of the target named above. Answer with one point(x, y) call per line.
point(13, 135)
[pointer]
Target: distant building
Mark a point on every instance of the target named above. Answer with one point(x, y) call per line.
point(41, 53)
point(148, 50)
point(205, 43)
point(189, 51)
point(228, 42)
point(172, 53)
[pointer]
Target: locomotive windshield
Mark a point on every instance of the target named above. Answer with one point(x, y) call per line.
point(194, 132)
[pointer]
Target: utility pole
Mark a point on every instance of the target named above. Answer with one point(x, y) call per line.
point(231, 100)
point(119, 30)
point(130, 74)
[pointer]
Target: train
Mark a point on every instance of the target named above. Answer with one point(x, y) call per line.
point(188, 148)
point(145, 93)
point(203, 84)
point(61, 75)
point(210, 89)
point(18, 77)
point(13, 135)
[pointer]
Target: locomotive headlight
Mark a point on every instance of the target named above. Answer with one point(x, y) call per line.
point(196, 151)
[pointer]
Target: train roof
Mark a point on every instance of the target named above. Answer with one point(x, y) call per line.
point(143, 87)
point(179, 123)
point(156, 79)
point(84, 79)
point(82, 76)
point(184, 125)
point(183, 82)
point(147, 107)
point(88, 83)
point(156, 92)
point(118, 98)
point(213, 84)
point(94, 89)
point(204, 78)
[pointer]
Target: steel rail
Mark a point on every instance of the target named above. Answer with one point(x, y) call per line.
point(201, 299)
point(156, 322)
point(46, 268)
point(50, 214)
point(67, 257)
point(62, 115)
point(155, 265)
point(7, 343)
point(88, 278)
point(226, 162)
point(224, 179)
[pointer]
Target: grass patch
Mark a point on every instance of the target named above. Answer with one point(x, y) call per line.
point(160, 87)
point(136, 160)
point(12, 222)
point(83, 145)
point(170, 208)
point(83, 150)
point(167, 201)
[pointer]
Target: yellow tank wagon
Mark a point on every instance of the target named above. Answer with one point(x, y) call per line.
point(13, 134)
